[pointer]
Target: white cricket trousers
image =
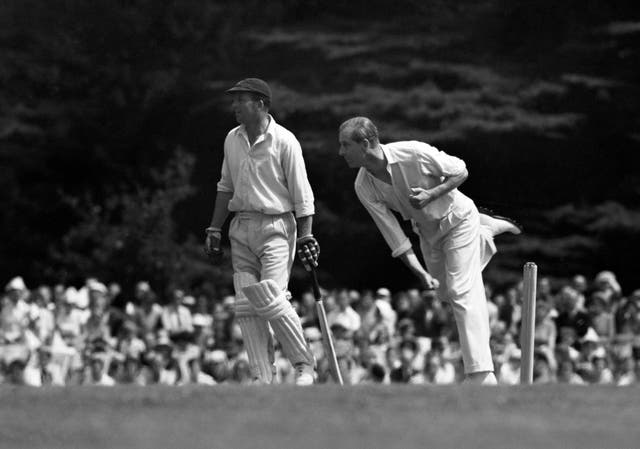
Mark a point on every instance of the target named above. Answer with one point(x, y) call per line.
point(456, 249)
point(263, 245)
point(262, 253)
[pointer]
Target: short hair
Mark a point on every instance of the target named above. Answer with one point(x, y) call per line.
point(265, 100)
point(361, 128)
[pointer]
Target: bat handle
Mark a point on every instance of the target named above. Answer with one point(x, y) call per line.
point(315, 285)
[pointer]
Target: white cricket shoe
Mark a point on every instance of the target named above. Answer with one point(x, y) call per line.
point(304, 374)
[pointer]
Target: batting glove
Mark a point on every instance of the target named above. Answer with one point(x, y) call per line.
point(212, 245)
point(308, 251)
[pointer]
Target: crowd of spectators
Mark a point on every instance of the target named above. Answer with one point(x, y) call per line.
point(586, 332)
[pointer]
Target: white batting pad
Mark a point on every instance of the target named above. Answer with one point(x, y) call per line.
point(271, 303)
point(256, 335)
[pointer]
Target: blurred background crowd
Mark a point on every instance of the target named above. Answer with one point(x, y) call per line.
point(586, 332)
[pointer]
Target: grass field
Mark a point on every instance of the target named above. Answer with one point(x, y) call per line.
point(322, 416)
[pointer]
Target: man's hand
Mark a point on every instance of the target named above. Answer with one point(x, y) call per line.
point(429, 282)
point(420, 197)
point(308, 251)
point(212, 245)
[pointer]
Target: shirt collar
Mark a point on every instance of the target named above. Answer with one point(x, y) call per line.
point(270, 131)
point(390, 156)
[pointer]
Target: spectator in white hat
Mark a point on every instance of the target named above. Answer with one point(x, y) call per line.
point(607, 282)
point(69, 319)
point(16, 291)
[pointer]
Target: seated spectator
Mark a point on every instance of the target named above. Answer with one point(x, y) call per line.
point(345, 351)
point(435, 317)
point(569, 312)
point(176, 319)
point(436, 371)
point(627, 316)
point(344, 314)
point(600, 317)
point(405, 371)
point(366, 308)
point(14, 313)
point(544, 289)
point(377, 374)
point(313, 335)
point(99, 324)
point(589, 344)
point(202, 320)
point(509, 372)
point(41, 313)
point(514, 301)
point(378, 337)
point(567, 373)
point(601, 373)
point(627, 373)
point(361, 371)
point(187, 357)
point(542, 372)
point(216, 364)
point(145, 310)
point(223, 322)
point(402, 306)
point(241, 372)
point(383, 303)
point(162, 362)
point(545, 333)
point(97, 375)
point(580, 285)
point(308, 315)
point(606, 282)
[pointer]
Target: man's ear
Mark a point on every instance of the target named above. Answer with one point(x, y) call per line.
point(365, 144)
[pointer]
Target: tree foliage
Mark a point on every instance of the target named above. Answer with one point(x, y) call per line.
point(539, 98)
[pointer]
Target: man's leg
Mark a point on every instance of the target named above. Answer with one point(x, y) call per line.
point(256, 334)
point(460, 258)
point(270, 298)
point(272, 303)
point(499, 225)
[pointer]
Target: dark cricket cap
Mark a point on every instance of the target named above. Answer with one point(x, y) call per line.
point(255, 85)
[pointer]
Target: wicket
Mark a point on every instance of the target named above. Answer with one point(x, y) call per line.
point(527, 328)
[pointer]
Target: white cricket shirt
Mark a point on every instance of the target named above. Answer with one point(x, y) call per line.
point(267, 177)
point(410, 164)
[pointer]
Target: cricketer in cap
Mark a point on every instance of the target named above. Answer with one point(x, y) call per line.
point(264, 183)
point(421, 183)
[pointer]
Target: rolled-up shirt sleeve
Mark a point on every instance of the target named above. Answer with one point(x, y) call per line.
point(440, 163)
point(297, 181)
point(384, 219)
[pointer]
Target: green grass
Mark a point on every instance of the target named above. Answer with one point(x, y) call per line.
point(323, 416)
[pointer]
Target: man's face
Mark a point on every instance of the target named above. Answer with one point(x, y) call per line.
point(244, 106)
point(353, 152)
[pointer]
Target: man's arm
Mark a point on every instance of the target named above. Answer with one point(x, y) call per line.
point(307, 246)
point(214, 231)
point(420, 197)
point(304, 225)
point(410, 259)
point(221, 209)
